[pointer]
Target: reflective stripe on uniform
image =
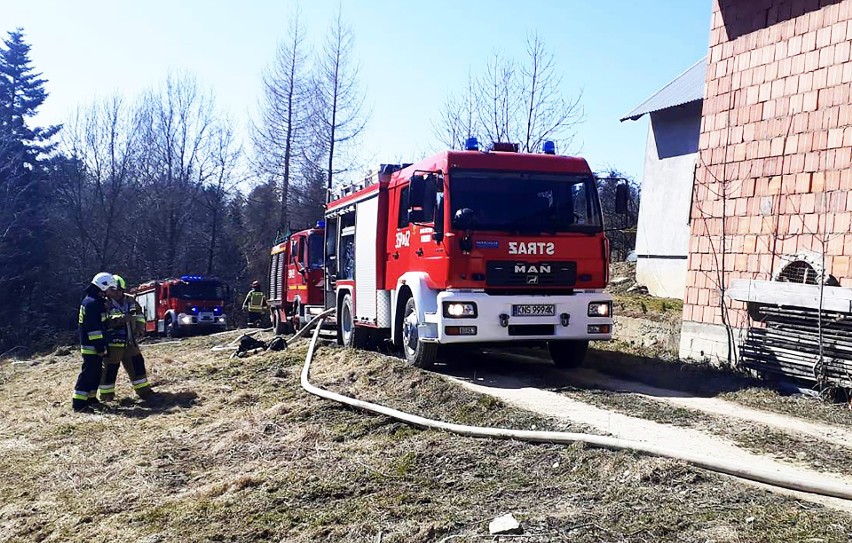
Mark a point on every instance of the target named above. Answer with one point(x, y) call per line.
point(80, 395)
point(88, 349)
point(106, 389)
point(96, 334)
point(140, 318)
point(255, 302)
point(118, 343)
point(140, 383)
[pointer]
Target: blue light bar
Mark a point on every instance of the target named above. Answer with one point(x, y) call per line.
point(320, 224)
point(471, 144)
point(191, 278)
point(548, 148)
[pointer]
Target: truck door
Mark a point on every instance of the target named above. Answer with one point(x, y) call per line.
point(427, 254)
point(399, 235)
point(294, 276)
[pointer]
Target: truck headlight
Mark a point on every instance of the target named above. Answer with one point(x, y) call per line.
point(600, 309)
point(184, 319)
point(459, 310)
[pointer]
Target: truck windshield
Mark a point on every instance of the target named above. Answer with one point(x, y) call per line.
point(201, 290)
point(527, 202)
point(315, 246)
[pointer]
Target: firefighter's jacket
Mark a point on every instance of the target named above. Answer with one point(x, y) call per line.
point(92, 321)
point(255, 301)
point(125, 321)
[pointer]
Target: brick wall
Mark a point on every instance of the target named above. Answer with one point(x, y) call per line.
point(774, 173)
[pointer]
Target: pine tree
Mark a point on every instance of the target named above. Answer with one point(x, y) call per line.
point(23, 188)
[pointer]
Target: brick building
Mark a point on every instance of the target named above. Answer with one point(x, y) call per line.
point(772, 196)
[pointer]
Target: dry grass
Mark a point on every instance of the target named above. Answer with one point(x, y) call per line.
point(236, 451)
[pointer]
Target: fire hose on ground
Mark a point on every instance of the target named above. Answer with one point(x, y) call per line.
point(836, 490)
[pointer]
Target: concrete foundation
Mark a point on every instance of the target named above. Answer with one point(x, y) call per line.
point(707, 342)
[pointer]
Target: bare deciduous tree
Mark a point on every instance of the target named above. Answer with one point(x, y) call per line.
point(522, 102)
point(459, 117)
point(339, 116)
point(103, 140)
point(180, 120)
point(279, 136)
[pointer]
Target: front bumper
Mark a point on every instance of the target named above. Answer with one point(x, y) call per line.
point(202, 321)
point(491, 327)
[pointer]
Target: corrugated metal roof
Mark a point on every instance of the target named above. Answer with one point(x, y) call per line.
point(687, 87)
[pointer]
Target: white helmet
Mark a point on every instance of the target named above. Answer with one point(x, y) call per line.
point(104, 281)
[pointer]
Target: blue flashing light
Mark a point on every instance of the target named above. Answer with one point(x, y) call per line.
point(548, 148)
point(191, 278)
point(471, 144)
point(320, 224)
point(194, 310)
point(217, 310)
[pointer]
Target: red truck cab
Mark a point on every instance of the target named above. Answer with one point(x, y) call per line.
point(296, 279)
point(472, 247)
point(183, 306)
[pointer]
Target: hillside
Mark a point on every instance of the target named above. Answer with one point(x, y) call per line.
point(235, 450)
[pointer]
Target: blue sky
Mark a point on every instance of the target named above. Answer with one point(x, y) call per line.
point(412, 54)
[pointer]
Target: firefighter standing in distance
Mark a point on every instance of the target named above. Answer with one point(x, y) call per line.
point(255, 304)
point(93, 345)
point(125, 323)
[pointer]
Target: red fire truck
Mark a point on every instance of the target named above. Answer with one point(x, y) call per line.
point(471, 247)
point(296, 279)
point(184, 305)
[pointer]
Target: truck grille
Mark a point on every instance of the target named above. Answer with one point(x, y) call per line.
point(509, 273)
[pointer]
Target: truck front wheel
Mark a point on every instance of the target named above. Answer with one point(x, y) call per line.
point(568, 354)
point(171, 328)
point(417, 353)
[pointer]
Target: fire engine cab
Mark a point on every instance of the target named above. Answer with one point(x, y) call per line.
point(471, 248)
point(184, 305)
point(296, 279)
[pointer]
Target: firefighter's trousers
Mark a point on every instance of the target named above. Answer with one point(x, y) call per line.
point(255, 318)
point(131, 359)
point(87, 381)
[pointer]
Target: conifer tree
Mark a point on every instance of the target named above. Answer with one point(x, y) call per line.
point(23, 189)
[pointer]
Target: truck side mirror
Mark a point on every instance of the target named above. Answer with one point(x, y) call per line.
point(622, 194)
point(438, 231)
point(416, 189)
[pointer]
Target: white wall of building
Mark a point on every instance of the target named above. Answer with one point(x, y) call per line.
point(662, 237)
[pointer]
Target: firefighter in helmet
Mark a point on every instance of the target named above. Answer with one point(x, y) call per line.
point(93, 344)
point(125, 324)
point(255, 304)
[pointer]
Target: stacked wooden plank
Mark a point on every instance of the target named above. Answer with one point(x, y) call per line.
point(797, 345)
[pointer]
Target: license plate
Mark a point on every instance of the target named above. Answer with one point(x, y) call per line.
point(534, 310)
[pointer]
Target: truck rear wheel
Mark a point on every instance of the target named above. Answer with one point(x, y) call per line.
point(417, 353)
point(279, 327)
point(568, 353)
point(348, 334)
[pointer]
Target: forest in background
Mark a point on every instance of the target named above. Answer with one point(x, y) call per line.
point(163, 184)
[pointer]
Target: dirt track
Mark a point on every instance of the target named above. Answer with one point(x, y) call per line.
point(525, 380)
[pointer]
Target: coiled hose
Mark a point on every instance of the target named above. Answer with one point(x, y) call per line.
point(823, 488)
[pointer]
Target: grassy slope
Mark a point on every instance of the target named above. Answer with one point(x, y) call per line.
point(238, 452)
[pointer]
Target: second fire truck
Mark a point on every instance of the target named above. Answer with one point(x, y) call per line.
point(183, 305)
point(296, 279)
point(471, 248)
